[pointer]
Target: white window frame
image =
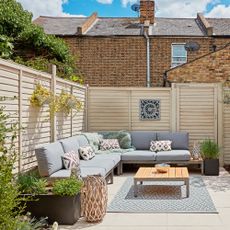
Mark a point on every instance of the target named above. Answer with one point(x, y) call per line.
point(173, 64)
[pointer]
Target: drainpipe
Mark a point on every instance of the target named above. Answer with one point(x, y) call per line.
point(148, 77)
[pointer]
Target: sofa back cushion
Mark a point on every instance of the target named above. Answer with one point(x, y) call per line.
point(180, 140)
point(141, 139)
point(49, 158)
point(82, 140)
point(70, 144)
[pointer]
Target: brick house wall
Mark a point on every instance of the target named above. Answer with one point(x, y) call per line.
point(121, 61)
point(212, 68)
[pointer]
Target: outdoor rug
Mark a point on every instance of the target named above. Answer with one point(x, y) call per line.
point(163, 197)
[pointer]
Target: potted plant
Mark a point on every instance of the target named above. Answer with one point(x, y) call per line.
point(59, 201)
point(210, 153)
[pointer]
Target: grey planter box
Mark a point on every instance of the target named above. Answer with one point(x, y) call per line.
point(63, 209)
point(211, 167)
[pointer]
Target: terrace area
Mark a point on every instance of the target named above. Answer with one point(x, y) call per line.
point(114, 123)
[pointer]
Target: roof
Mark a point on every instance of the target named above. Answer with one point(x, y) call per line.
point(221, 26)
point(60, 25)
point(177, 27)
point(107, 26)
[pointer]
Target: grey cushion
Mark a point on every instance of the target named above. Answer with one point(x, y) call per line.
point(180, 140)
point(141, 139)
point(82, 140)
point(139, 156)
point(116, 157)
point(106, 163)
point(63, 173)
point(70, 144)
point(174, 155)
point(49, 158)
point(90, 171)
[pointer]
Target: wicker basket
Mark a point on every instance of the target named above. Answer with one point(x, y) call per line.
point(94, 198)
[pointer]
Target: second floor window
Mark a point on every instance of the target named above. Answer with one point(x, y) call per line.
point(179, 55)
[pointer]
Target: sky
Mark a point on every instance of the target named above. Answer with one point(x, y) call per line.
point(122, 8)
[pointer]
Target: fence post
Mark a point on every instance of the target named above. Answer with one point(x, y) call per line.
point(86, 108)
point(20, 161)
point(220, 129)
point(174, 107)
point(53, 118)
point(71, 118)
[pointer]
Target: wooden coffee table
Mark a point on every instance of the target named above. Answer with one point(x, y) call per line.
point(151, 174)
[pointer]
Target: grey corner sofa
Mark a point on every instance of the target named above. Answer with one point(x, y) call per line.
point(49, 156)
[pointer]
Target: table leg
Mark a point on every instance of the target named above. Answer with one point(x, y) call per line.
point(135, 188)
point(187, 188)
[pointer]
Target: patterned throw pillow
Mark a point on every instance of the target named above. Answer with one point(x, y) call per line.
point(71, 161)
point(86, 152)
point(107, 144)
point(156, 146)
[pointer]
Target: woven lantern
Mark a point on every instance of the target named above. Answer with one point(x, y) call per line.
point(94, 198)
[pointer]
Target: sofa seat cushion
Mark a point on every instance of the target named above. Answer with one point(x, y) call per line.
point(180, 140)
point(91, 171)
point(173, 155)
point(70, 144)
point(63, 173)
point(141, 139)
point(49, 158)
point(116, 157)
point(139, 156)
point(105, 163)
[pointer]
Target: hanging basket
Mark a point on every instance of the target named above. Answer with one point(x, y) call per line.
point(94, 198)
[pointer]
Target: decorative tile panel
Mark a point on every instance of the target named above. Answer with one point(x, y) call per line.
point(150, 109)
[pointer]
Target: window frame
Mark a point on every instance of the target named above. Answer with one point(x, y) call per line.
point(186, 57)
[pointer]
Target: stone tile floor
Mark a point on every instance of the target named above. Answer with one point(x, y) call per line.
point(218, 187)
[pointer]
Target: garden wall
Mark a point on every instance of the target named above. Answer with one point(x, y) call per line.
point(195, 108)
point(38, 127)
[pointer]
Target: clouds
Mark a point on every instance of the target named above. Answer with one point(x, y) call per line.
point(105, 1)
point(164, 8)
point(187, 8)
point(219, 11)
point(126, 2)
point(45, 7)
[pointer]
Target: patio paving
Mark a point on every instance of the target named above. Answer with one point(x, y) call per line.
point(218, 187)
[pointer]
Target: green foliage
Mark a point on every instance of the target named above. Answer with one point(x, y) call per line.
point(28, 223)
point(6, 47)
point(13, 19)
point(30, 184)
point(209, 149)
point(67, 187)
point(9, 193)
point(16, 24)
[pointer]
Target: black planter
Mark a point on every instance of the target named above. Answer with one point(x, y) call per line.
point(211, 167)
point(63, 209)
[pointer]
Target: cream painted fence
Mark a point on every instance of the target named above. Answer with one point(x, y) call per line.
point(226, 127)
point(195, 108)
point(38, 127)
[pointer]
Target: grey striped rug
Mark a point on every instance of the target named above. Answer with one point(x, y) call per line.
point(163, 197)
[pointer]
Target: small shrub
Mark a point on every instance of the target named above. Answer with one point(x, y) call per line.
point(209, 149)
point(67, 187)
point(29, 184)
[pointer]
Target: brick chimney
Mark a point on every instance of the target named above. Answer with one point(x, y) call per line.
point(147, 11)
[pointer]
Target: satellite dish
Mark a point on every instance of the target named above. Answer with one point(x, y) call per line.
point(192, 46)
point(136, 7)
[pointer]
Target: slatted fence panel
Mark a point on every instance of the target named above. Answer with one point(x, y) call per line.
point(19, 81)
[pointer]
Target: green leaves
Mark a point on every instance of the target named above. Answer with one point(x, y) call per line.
point(6, 46)
point(67, 187)
point(16, 28)
point(209, 149)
